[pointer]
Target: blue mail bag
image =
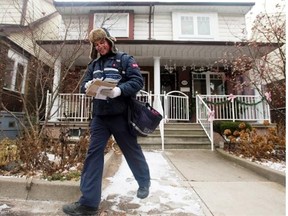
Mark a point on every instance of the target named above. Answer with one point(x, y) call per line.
point(143, 118)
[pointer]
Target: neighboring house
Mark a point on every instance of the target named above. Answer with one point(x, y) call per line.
point(21, 24)
point(184, 49)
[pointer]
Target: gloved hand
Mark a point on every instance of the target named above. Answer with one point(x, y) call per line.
point(111, 93)
point(87, 84)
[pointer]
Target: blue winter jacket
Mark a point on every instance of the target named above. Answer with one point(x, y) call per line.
point(130, 81)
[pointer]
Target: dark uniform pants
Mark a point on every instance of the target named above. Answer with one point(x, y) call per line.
point(101, 129)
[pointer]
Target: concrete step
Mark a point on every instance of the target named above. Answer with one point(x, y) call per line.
point(177, 136)
point(182, 145)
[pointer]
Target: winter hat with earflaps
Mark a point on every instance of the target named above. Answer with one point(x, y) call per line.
point(98, 34)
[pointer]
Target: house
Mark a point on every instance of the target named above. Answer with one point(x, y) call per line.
point(22, 60)
point(184, 49)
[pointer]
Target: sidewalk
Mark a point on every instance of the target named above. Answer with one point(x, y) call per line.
point(184, 182)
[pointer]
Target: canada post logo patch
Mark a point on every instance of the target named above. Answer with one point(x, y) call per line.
point(134, 65)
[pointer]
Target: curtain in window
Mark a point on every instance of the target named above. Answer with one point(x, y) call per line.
point(203, 25)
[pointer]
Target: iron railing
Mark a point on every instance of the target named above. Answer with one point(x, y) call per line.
point(249, 108)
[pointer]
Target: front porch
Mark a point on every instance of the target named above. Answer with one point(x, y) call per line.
point(74, 110)
point(174, 105)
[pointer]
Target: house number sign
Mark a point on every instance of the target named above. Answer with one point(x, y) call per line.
point(184, 82)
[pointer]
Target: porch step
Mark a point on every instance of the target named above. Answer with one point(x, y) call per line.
point(177, 136)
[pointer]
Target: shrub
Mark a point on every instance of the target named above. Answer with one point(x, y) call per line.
point(247, 142)
point(220, 127)
point(53, 159)
point(8, 151)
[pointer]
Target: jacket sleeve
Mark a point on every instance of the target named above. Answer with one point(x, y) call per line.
point(88, 76)
point(133, 81)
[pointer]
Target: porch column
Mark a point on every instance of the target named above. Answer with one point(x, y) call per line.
point(55, 91)
point(157, 82)
point(157, 101)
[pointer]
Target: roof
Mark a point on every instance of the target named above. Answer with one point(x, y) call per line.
point(181, 52)
point(237, 7)
point(149, 2)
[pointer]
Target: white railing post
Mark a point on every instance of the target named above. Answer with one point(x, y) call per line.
point(205, 121)
point(165, 107)
point(158, 106)
point(82, 107)
point(212, 137)
point(233, 111)
point(197, 107)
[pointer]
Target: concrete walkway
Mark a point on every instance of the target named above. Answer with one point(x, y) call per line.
point(226, 188)
point(221, 187)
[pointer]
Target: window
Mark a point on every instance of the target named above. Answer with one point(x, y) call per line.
point(208, 83)
point(195, 26)
point(9, 73)
point(15, 73)
point(116, 23)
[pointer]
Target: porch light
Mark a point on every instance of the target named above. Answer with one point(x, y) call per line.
point(170, 68)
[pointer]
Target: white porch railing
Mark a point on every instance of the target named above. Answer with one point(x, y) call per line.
point(70, 107)
point(248, 108)
point(204, 116)
point(238, 107)
point(78, 107)
point(175, 105)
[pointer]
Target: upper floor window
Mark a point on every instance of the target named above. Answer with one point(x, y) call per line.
point(116, 23)
point(15, 73)
point(195, 26)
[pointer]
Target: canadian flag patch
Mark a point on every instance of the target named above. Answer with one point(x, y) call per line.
point(134, 65)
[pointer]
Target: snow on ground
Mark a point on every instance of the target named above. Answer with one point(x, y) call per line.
point(274, 165)
point(278, 166)
point(167, 196)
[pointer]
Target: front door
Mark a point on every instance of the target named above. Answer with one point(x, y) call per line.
point(168, 82)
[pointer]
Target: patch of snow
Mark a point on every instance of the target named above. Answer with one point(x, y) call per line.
point(53, 158)
point(279, 166)
point(4, 206)
point(167, 195)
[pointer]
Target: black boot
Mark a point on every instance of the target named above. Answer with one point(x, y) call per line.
point(143, 192)
point(76, 209)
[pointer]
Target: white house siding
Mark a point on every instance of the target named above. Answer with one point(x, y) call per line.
point(231, 27)
point(37, 9)
point(162, 27)
point(141, 27)
point(10, 11)
point(26, 43)
point(46, 31)
point(76, 27)
point(50, 29)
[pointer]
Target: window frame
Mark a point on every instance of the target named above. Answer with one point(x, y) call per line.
point(177, 25)
point(207, 77)
point(112, 30)
point(18, 60)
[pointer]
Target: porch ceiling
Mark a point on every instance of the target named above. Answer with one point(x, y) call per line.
point(179, 52)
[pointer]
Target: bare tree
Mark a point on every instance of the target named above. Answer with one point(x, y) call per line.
point(264, 69)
